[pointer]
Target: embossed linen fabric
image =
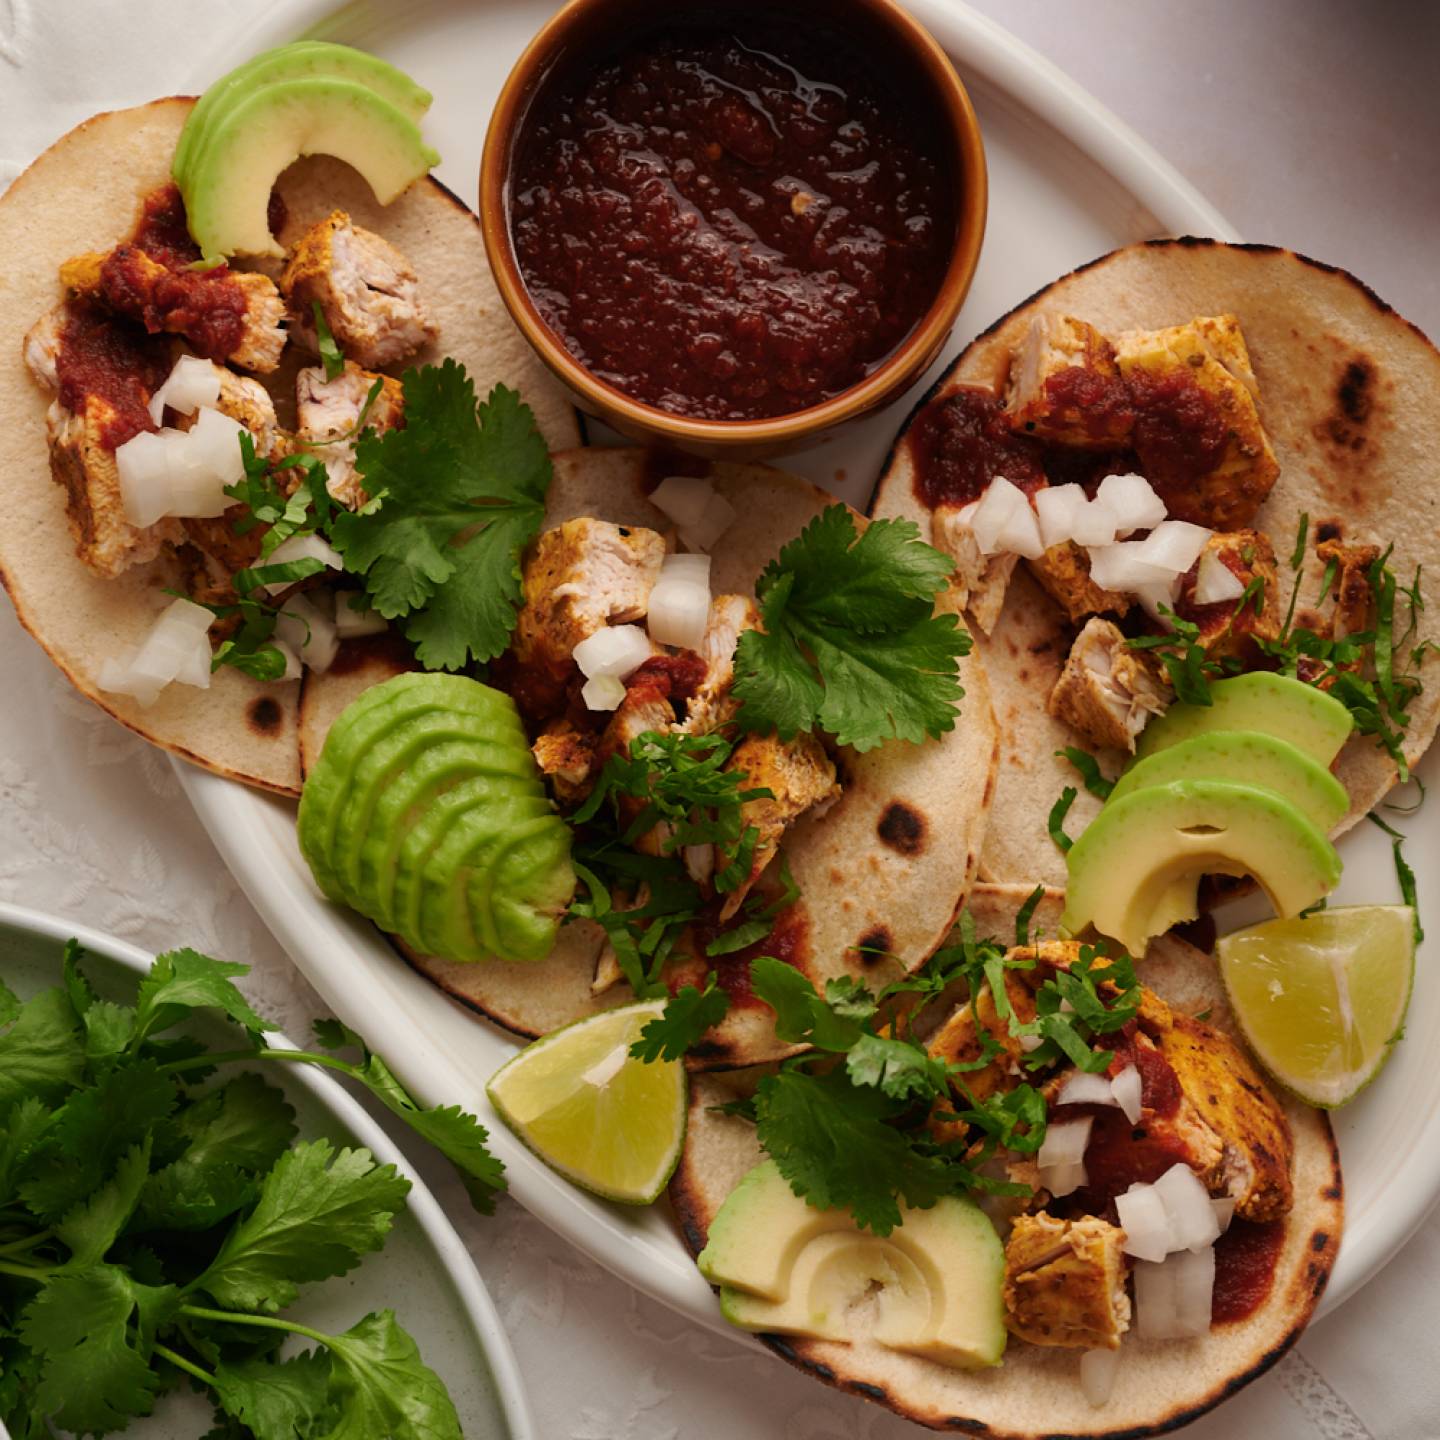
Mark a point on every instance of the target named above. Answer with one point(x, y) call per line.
point(93, 825)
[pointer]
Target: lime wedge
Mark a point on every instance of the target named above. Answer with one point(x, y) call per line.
point(610, 1123)
point(1322, 1000)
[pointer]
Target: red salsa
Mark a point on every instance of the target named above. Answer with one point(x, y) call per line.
point(1245, 1259)
point(115, 364)
point(732, 226)
point(959, 444)
point(788, 940)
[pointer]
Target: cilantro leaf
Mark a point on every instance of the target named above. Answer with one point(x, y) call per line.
point(92, 1226)
point(24, 1127)
point(385, 1388)
point(276, 1400)
point(330, 356)
point(1056, 821)
point(800, 1013)
point(899, 1068)
point(687, 1016)
point(850, 642)
point(319, 1211)
point(183, 980)
point(1089, 769)
point(457, 494)
point(9, 1004)
point(41, 1054)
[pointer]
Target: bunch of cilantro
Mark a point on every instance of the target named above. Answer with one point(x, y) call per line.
point(849, 1122)
point(157, 1217)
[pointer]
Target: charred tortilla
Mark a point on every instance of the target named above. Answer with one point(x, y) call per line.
point(1036, 1392)
point(1348, 394)
point(84, 194)
point(881, 874)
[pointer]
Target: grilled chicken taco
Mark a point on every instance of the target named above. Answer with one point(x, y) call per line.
point(112, 334)
point(1163, 1246)
point(1217, 461)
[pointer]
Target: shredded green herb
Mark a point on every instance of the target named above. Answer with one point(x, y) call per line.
point(1056, 822)
point(1403, 873)
point(1089, 769)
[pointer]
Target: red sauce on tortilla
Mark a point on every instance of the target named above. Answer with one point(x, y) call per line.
point(732, 225)
point(163, 232)
point(1104, 402)
point(1245, 1259)
point(1120, 1155)
point(1159, 1087)
point(112, 362)
point(788, 940)
point(1180, 432)
point(961, 442)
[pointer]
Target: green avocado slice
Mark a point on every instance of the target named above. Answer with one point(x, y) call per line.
point(521, 890)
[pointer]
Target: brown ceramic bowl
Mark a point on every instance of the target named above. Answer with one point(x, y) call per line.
point(583, 27)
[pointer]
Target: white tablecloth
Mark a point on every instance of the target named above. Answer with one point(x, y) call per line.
point(1312, 125)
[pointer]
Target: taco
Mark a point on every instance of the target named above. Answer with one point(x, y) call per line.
point(1251, 387)
point(96, 215)
point(1069, 1290)
point(880, 846)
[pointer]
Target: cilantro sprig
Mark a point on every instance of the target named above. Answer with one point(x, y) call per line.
point(155, 1226)
point(851, 643)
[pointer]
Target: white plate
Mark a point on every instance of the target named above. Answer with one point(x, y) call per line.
point(1067, 182)
point(424, 1272)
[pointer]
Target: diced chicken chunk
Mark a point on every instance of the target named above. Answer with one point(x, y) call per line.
point(1107, 692)
point(1065, 386)
point(645, 708)
point(1064, 571)
point(979, 581)
point(368, 291)
point(326, 409)
point(1354, 610)
point(712, 707)
point(1065, 1282)
point(135, 285)
point(1208, 458)
point(799, 775)
point(1230, 628)
point(566, 757)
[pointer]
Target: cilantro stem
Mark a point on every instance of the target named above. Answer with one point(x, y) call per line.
point(243, 1317)
point(27, 1242)
point(307, 1057)
point(26, 1272)
point(181, 1363)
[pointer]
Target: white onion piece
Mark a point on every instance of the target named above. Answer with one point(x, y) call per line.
point(1152, 597)
point(1126, 1089)
point(192, 382)
point(194, 668)
point(293, 667)
point(1083, 1088)
point(612, 653)
point(1064, 1179)
point(1002, 520)
point(1173, 545)
point(1122, 567)
point(307, 631)
point(683, 498)
point(143, 466)
point(1097, 523)
point(1097, 1374)
point(700, 862)
point(175, 648)
point(1064, 1144)
point(1057, 508)
point(1215, 581)
point(1134, 501)
point(1146, 1224)
point(351, 623)
point(1029, 1043)
point(1020, 535)
point(1224, 1209)
point(603, 692)
point(1194, 1290)
point(679, 608)
point(1187, 1206)
point(301, 547)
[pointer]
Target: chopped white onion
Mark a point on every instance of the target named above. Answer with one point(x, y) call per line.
point(1152, 597)
point(1097, 523)
point(1123, 567)
point(612, 653)
point(180, 472)
point(1156, 1316)
point(1064, 1179)
point(702, 514)
point(292, 660)
point(351, 623)
point(1029, 1043)
point(1097, 1374)
point(679, 608)
point(1173, 1300)
point(1134, 502)
point(177, 647)
point(1215, 581)
point(700, 862)
point(1003, 521)
point(603, 692)
point(1064, 1144)
point(301, 547)
point(1057, 508)
point(1142, 1216)
point(1126, 1088)
point(1083, 1088)
point(1187, 1206)
point(308, 632)
point(1173, 545)
point(1194, 1290)
point(1224, 1209)
point(192, 383)
point(143, 465)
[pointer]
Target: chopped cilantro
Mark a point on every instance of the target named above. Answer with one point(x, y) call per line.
point(1187, 663)
point(1026, 914)
point(688, 1015)
point(1089, 769)
point(851, 643)
point(1056, 821)
point(1403, 873)
point(330, 356)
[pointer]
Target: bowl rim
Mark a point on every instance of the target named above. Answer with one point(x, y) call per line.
point(895, 371)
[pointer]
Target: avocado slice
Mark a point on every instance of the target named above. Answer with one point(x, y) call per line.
point(524, 889)
point(1251, 757)
point(788, 1269)
point(227, 185)
point(1278, 705)
point(299, 60)
point(1132, 868)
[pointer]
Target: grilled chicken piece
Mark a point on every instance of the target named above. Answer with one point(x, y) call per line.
point(1107, 692)
point(1230, 628)
point(135, 285)
point(1064, 571)
point(1354, 600)
point(578, 578)
point(799, 775)
point(1065, 1282)
point(1065, 386)
point(326, 409)
point(978, 582)
point(82, 455)
point(712, 707)
point(368, 290)
point(646, 707)
point(566, 757)
point(1211, 463)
